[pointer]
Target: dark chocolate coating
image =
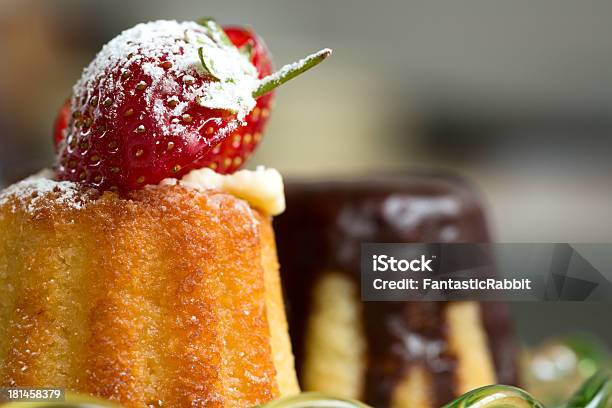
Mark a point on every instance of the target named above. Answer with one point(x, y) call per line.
point(323, 229)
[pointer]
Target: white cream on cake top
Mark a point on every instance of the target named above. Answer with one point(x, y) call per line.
point(262, 188)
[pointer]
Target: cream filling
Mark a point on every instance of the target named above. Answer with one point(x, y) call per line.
point(262, 188)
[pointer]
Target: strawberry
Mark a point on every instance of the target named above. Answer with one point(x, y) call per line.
point(61, 123)
point(229, 155)
point(164, 98)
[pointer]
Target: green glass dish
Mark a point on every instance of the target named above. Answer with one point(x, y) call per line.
point(596, 392)
point(496, 396)
point(313, 400)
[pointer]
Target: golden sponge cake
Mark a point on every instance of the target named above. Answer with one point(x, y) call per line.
point(162, 297)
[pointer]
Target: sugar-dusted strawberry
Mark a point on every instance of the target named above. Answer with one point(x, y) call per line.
point(229, 155)
point(164, 98)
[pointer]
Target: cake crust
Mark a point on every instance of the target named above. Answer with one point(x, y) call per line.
point(157, 297)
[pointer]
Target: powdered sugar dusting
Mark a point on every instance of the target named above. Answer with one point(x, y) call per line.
point(177, 43)
point(37, 191)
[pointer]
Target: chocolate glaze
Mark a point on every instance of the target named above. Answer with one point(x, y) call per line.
point(323, 229)
point(498, 324)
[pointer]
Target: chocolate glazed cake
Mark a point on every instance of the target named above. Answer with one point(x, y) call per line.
point(390, 354)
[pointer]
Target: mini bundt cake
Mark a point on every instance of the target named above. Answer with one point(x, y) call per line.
point(165, 296)
point(389, 354)
point(143, 268)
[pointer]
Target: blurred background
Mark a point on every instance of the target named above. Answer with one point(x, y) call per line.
point(514, 95)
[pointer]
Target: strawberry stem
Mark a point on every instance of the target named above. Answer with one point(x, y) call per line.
point(215, 31)
point(289, 72)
